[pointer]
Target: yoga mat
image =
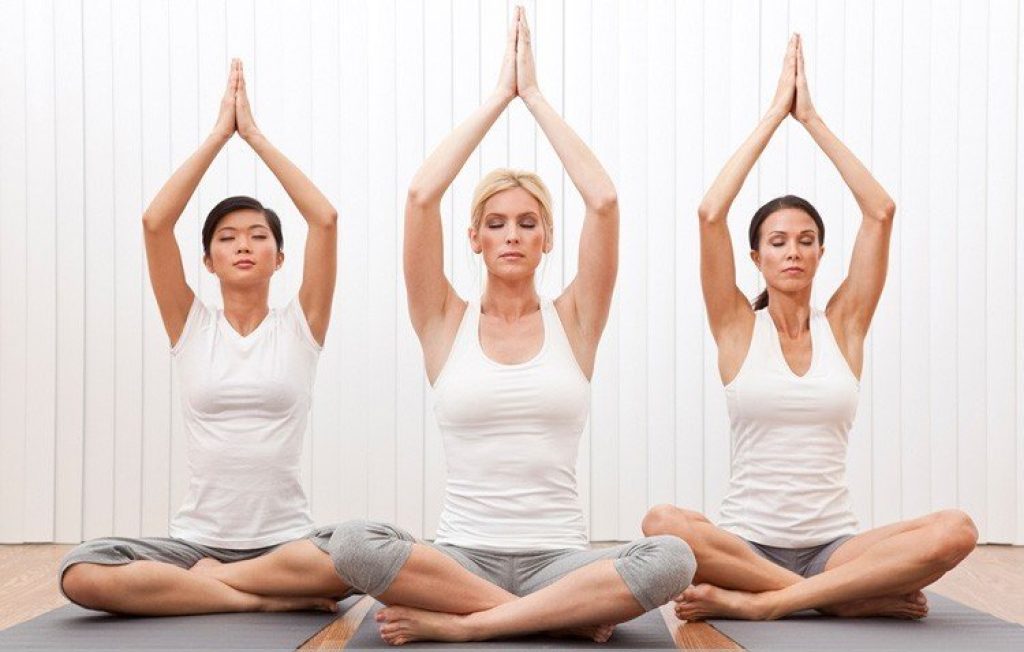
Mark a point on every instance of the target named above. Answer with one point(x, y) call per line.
point(644, 632)
point(74, 628)
point(948, 626)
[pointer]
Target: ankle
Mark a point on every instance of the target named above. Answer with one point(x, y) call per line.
point(471, 627)
point(768, 606)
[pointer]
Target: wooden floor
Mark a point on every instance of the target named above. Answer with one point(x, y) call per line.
point(991, 579)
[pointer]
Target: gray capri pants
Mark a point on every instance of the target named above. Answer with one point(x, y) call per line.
point(117, 551)
point(368, 556)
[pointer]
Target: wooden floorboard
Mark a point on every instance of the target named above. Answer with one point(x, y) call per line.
point(991, 579)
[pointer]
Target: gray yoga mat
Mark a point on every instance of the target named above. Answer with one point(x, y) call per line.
point(948, 626)
point(644, 632)
point(74, 628)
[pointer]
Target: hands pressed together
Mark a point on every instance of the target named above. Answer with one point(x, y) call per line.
point(792, 97)
point(235, 113)
point(518, 77)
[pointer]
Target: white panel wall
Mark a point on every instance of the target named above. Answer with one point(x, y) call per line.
point(102, 99)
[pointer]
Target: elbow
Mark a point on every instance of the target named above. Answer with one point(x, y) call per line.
point(605, 203)
point(886, 212)
point(419, 197)
point(328, 219)
point(150, 223)
point(708, 214)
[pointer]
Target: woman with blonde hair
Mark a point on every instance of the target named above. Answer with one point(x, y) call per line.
point(511, 377)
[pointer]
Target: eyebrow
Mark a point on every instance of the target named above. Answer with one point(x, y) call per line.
point(235, 228)
point(805, 231)
point(503, 216)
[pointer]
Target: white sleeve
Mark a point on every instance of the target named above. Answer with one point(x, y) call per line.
point(199, 315)
point(295, 318)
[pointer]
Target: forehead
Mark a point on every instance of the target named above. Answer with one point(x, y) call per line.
point(789, 220)
point(242, 219)
point(512, 201)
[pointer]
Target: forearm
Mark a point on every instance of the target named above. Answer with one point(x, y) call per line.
point(165, 209)
point(727, 184)
point(444, 163)
point(586, 172)
point(312, 204)
point(872, 198)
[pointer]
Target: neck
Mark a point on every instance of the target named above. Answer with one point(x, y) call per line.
point(245, 308)
point(509, 300)
point(791, 312)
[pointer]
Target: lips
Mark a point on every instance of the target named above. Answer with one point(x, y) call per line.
point(511, 254)
point(792, 269)
point(245, 264)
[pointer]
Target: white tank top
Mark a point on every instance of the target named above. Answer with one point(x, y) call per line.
point(511, 437)
point(245, 402)
point(789, 439)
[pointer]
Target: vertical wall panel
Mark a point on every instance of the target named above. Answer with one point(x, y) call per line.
point(1001, 203)
point(327, 144)
point(156, 363)
point(70, 255)
point(942, 250)
point(914, 358)
point(103, 100)
point(41, 281)
point(13, 248)
point(972, 198)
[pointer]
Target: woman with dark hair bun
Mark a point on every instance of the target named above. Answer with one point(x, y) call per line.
point(246, 377)
point(787, 538)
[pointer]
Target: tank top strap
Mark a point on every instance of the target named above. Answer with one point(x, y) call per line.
point(553, 328)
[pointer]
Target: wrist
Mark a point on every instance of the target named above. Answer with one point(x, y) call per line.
point(775, 116)
point(811, 121)
point(253, 138)
point(219, 137)
point(532, 97)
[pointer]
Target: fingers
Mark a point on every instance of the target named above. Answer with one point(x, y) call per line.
point(799, 56)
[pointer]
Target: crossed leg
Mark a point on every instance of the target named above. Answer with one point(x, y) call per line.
point(878, 573)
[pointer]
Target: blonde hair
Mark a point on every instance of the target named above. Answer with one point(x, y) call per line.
point(505, 179)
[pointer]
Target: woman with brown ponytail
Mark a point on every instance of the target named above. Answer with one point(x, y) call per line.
point(787, 539)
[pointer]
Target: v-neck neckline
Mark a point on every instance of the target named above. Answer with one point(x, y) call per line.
point(245, 338)
point(782, 354)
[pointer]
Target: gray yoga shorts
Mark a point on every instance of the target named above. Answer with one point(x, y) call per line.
point(802, 561)
point(117, 551)
point(369, 555)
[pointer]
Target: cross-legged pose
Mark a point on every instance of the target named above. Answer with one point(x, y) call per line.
point(511, 380)
point(787, 538)
point(246, 376)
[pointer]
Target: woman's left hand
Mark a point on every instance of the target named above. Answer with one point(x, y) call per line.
point(803, 108)
point(526, 71)
point(243, 112)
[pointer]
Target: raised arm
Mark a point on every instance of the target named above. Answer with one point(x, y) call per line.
point(854, 303)
point(319, 269)
point(430, 294)
point(729, 312)
point(167, 275)
point(590, 293)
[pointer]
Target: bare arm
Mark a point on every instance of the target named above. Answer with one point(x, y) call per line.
point(590, 293)
point(166, 274)
point(728, 309)
point(319, 270)
point(430, 294)
point(854, 303)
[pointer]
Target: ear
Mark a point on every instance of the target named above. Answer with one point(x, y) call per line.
point(280, 259)
point(821, 251)
point(474, 240)
point(208, 262)
point(756, 257)
point(549, 243)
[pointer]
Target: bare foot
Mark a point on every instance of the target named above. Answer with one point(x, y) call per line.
point(708, 601)
point(907, 607)
point(595, 633)
point(274, 603)
point(400, 625)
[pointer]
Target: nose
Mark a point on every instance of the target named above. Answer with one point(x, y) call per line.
point(243, 246)
point(512, 235)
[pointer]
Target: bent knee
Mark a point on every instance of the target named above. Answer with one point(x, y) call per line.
point(671, 566)
point(367, 554)
point(87, 585)
point(955, 537)
point(668, 519)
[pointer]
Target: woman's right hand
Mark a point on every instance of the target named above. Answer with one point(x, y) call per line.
point(225, 126)
point(785, 92)
point(507, 78)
